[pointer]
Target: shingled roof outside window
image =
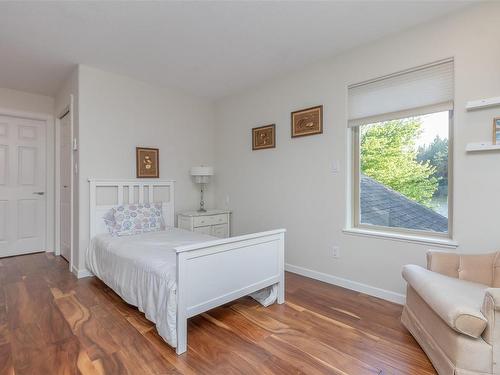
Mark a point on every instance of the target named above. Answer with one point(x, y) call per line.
point(383, 206)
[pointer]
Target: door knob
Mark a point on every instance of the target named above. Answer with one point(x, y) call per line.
point(39, 193)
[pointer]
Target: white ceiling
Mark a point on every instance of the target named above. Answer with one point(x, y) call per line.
point(210, 49)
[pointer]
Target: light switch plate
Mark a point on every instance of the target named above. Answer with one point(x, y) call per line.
point(336, 166)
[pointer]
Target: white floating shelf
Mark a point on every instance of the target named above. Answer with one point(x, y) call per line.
point(482, 103)
point(482, 146)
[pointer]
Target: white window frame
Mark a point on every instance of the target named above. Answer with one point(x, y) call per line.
point(377, 230)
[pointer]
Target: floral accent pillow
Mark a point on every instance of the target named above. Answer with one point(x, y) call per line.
point(137, 218)
point(109, 220)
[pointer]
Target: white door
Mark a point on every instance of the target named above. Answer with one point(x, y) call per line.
point(65, 187)
point(22, 186)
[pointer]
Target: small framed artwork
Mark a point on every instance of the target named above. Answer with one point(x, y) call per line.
point(147, 162)
point(496, 131)
point(307, 121)
point(264, 137)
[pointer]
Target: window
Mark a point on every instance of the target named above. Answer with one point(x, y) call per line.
point(401, 145)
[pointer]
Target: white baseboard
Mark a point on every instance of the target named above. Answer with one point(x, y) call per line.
point(81, 273)
point(348, 284)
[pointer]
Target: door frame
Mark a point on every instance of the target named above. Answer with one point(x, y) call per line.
point(69, 109)
point(48, 243)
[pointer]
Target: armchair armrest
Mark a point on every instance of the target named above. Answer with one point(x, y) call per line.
point(445, 263)
point(493, 294)
point(491, 311)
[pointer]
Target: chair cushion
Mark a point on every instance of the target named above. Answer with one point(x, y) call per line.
point(443, 262)
point(477, 268)
point(457, 302)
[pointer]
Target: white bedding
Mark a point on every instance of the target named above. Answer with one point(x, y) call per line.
point(142, 270)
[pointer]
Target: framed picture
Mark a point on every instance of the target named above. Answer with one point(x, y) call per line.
point(264, 137)
point(147, 162)
point(307, 121)
point(496, 131)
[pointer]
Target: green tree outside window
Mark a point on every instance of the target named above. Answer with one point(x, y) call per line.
point(390, 156)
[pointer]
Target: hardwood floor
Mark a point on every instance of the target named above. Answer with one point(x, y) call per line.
point(52, 323)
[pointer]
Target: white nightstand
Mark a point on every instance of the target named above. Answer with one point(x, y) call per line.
point(213, 222)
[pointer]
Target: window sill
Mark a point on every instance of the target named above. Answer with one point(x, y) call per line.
point(440, 242)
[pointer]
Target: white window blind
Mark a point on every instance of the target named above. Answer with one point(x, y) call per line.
point(414, 92)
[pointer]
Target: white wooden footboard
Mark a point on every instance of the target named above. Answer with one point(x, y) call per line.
point(210, 274)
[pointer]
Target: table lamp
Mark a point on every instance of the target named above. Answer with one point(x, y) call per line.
point(201, 176)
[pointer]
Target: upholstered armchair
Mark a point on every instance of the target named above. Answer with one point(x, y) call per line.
point(453, 311)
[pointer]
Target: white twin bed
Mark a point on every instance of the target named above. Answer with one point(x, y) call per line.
point(173, 274)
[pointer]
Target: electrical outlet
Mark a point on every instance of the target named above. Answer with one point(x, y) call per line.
point(336, 252)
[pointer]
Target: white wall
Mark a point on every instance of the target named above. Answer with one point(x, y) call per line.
point(25, 102)
point(292, 186)
point(117, 114)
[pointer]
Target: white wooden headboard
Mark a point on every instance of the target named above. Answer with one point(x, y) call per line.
point(105, 194)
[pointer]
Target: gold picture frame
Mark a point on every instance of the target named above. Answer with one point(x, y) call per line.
point(147, 162)
point(496, 131)
point(264, 137)
point(307, 121)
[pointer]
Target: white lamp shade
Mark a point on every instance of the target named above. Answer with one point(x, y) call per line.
point(202, 171)
point(201, 174)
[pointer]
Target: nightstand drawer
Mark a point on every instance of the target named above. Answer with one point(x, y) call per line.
point(220, 231)
point(204, 230)
point(202, 221)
